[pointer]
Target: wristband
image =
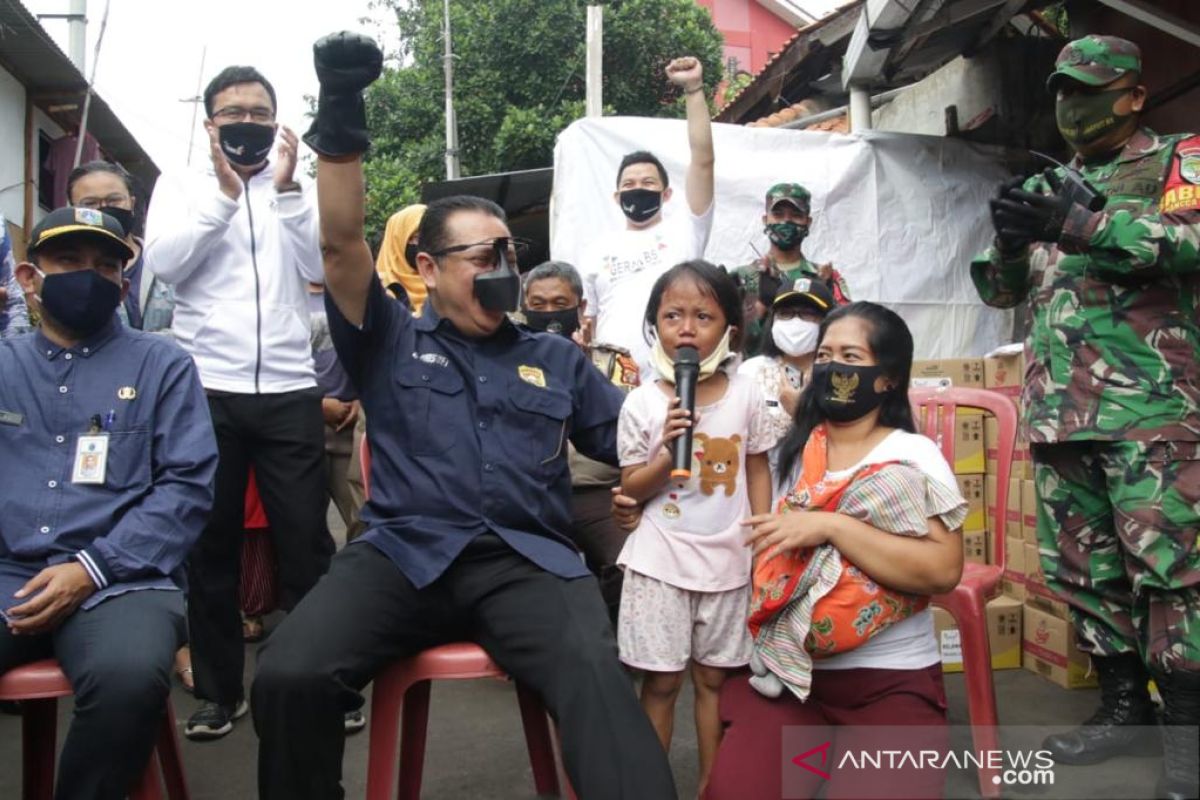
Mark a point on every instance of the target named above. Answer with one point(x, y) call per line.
point(699, 88)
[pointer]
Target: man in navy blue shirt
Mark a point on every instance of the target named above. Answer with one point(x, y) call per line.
point(106, 480)
point(469, 493)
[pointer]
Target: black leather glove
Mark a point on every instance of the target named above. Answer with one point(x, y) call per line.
point(1010, 239)
point(346, 64)
point(1021, 215)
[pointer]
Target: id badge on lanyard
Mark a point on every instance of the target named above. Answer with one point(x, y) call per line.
point(91, 456)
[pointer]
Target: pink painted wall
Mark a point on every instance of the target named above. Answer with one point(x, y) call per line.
point(752, 33)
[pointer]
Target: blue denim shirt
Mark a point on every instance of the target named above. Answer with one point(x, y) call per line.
point(469, 436)
point(134, 531)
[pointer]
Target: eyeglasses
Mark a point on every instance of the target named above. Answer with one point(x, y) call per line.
point(238, 114)
point(484, 254)
point(115, 199)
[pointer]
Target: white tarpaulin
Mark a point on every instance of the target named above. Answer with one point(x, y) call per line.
point(899, 215)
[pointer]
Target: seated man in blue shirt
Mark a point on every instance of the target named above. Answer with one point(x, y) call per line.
point(106, 480)
point(470, 493)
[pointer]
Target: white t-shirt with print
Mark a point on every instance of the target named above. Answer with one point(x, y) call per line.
point(910, 644)
point(620, 270)
point(690, 535)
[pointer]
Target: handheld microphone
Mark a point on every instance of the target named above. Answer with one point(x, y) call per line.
point(687, 370)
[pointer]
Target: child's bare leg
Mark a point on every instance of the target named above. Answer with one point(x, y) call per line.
point(707, 682)
point(659, 691)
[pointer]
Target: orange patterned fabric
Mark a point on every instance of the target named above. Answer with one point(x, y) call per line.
point(853, 608)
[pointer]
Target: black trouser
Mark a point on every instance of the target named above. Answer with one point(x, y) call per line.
point(283, 436)
point(118, 657)
point(598, 535)
point(549, 633)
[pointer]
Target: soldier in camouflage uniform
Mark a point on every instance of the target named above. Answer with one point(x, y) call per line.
point(553, 302)
point(1112, 396)
point(786, 223)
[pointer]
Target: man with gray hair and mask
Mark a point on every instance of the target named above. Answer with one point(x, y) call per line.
point(553, 302)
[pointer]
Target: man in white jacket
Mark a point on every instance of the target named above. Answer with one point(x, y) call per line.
point(239, 241)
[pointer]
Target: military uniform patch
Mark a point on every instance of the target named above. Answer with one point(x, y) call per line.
point(532, 375)
point(1182, 190)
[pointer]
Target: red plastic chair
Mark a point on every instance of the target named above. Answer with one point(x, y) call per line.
point(38, 685)
point(400, 710)
point(936, 413)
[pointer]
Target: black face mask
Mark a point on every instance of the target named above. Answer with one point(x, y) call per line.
point(82, 301)
point(121, 215)
point(500, 289)
point(410, 254)
point(246, 143)
point(640, 204)
point(564, 321)
point(845, 392)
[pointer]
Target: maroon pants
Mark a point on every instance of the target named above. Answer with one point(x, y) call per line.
point(750, 761)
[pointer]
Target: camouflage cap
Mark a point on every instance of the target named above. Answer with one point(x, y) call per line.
point(792, 193)
point(1095, 61)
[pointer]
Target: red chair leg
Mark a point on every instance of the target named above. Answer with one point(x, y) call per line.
point(981, 695)
point(170, 759)
point(413, 726)
point(537, 740)
point(39, 724)
point(148, 786)
point(387, 697)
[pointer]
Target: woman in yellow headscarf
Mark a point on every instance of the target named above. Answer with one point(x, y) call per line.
point(395, 266)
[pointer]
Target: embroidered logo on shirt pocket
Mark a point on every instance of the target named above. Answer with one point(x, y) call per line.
point(541, 417)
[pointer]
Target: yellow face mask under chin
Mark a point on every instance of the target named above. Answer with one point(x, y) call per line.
point(708, 367)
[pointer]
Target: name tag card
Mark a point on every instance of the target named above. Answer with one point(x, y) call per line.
point(91, 456)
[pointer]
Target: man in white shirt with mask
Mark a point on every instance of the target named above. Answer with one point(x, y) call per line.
point(620, 269)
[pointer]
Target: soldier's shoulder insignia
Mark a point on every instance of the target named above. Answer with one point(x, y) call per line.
point(1182, 189)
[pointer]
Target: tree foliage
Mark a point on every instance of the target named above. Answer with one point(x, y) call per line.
point(519, 79)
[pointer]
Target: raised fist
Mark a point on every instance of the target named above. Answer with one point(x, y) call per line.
point(686, 73)
point(346, 62)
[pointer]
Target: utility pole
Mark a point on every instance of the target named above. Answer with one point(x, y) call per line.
point(195, 100)
point(595, 61)
point(452, 166)
point(87, 100)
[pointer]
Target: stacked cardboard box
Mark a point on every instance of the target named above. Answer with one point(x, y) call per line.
point(1048, 646)
point(1004, 624)
point(1027, 625)
point(1048, 641)
point(968, 445)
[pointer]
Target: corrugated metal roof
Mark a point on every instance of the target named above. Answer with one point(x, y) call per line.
point(52, 81)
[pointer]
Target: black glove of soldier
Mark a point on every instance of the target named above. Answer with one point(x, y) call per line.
point(1021, 216)
point(1009, 240)
point(346, 64)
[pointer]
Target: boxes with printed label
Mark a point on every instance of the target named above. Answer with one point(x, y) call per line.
point(1033, 564)
point(1028, 511)
point(1012, 582)
point(1012, 515)
point(975, 547)
point(1039, 595)
point(1004, 635)
point(1022, 464)
point(971, 488)
point(948, 372)
point(1048, 646)
point(968, 442)
point(1005, 374)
